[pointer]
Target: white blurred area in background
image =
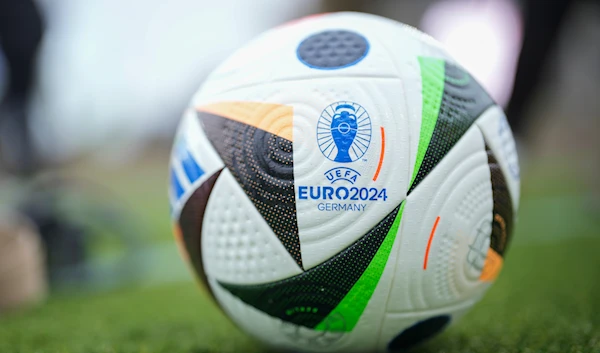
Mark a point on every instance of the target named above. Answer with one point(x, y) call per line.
point(483, 36)
point(114, 74)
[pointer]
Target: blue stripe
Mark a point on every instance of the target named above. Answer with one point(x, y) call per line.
point(190, 166)
point(176, 185)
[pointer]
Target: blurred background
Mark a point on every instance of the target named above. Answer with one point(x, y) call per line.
point(91, 93)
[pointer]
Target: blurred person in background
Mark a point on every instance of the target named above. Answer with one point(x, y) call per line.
point(543, 26)
point(22, 259)
point(543, 21)
point(50, 220)
point(21, 32)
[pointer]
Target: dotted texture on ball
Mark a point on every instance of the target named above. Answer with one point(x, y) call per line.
point(474, 200)
point(463, 101)
point(263, 165)
point(445, 282)
point(308, 298)
point(237, 247)
point(331, 50)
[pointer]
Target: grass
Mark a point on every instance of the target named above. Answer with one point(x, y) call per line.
point(546, 300)
point(172, 318)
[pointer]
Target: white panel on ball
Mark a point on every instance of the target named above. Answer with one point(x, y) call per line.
point(238, 246)
point(272, 56)
point(439, 195)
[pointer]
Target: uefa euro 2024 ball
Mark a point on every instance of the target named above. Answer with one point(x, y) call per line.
point(342, 184)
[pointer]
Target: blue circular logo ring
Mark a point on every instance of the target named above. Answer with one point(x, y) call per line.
point(344, 132)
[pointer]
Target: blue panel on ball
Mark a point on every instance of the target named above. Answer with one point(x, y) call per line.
point(176, 185)
point(191, 167)
point(332, 50)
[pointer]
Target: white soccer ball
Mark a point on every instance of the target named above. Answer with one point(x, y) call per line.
point(342, 184)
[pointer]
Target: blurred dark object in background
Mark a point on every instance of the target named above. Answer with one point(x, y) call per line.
point(543, 21)
point(79, 224)
point(20, 36)
point(64, 239)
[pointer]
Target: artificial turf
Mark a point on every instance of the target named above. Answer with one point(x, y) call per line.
point(547, 299)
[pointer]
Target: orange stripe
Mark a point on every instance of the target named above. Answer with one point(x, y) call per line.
point(277, 119)
point(492, 266)
point(381, 155)
point(437, 220)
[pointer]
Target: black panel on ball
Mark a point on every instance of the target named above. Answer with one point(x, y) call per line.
point(418, 333)
point(263, 165)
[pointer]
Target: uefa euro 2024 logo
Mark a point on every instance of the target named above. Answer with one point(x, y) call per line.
point(343, 135)
point(344, 132)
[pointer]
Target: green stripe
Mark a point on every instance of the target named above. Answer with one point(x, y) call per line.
point(346, 314)
point(432, 78)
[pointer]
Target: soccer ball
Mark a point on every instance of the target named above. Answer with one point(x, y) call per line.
point(342, 184)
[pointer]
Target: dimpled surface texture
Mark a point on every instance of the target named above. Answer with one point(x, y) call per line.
point(333, 49)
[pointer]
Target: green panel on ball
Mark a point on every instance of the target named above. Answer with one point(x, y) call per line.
point(452, 111)
point(432, 79)
point(355, 302)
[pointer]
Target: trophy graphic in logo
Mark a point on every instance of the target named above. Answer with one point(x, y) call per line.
point(344, 132)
